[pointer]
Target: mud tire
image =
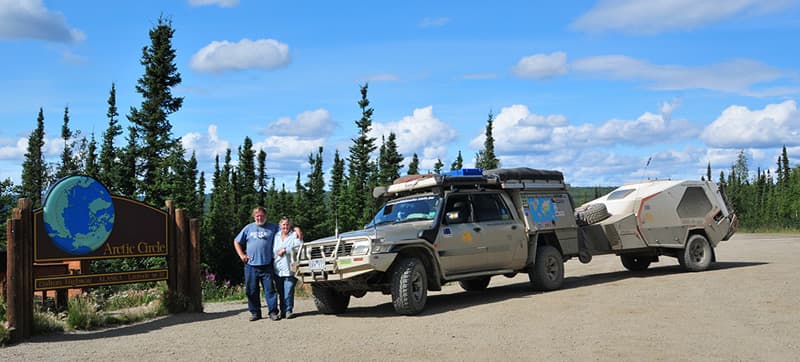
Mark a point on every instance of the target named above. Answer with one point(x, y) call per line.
point(329, 300)
point(697, 255)
point(548, 271)
point(409, 286)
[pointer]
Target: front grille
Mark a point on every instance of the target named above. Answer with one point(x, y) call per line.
point(345, 248)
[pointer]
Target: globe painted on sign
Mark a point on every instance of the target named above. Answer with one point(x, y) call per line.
point(78, 214)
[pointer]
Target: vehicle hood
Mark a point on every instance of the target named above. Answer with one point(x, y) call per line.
point(389, 232)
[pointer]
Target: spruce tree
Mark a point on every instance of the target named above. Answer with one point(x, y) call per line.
point(221, 227)
point(67, 166)
point(246, 177)
point(485, 158)
point(110, 163)
point(413, 166)
point(316, 224)
point(360, 168)
point(151, 119)
point(91, 167)
point(390, 161)
point(7, 199)
point(127, 183)
point(437, 167)
point(262, 178)
point(34, 170)
point(338, 190)
point(458, 163)
point(708, 172)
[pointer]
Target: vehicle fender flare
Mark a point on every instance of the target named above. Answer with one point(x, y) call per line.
point(426, 255)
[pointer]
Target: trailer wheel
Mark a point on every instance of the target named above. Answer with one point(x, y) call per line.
point(547, 273)
point(409, 286)
point(635, 262)
point(592, 213)
point(697, 255)
point(475, 284)
point(329, 300)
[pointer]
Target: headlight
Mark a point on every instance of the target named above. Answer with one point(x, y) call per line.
point(361, 247)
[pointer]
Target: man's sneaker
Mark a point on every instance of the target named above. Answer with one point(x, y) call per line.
point(289, 315)
point(254, 317)
point(274, 316)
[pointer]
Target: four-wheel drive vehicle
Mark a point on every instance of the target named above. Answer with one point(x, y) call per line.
point(470, 225)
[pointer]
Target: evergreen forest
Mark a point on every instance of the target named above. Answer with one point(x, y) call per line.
point(142, 159)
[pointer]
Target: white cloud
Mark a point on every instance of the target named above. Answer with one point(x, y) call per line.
point(434, 22)
point(317, 123)
point(652, 17)
point(220, 3)
point(736, 76)
point(289, 149)
point(518, 131)
point(541, 66)
point(740, 127)
point(220, 56)
point(29, 19)
point(206, 146)
point(422, 130)
point(13, 150)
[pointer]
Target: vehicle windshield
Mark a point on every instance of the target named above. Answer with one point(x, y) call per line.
point(413, 209)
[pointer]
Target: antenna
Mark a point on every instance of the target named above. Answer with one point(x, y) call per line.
point(646, 165)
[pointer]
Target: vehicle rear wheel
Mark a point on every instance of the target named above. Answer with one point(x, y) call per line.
point(635, 262)
point(409, 286)
point(329, 300)
point(476, 284)
point(697, 255)
point(547, 273)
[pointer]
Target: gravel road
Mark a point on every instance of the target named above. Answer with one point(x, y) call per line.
point(746, 307)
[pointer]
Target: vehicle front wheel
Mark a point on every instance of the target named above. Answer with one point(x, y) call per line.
point(635, 262)
point(476, 284)
point(697, 255)
point(329, 300)
point(548, 271)
point(409, 286)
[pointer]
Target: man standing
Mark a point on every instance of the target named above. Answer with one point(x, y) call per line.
point(254, 246)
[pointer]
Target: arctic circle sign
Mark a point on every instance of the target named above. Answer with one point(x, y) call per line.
point(81, 220)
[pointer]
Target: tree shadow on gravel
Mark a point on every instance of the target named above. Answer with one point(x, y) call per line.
point(136, 328)
point(443, 303)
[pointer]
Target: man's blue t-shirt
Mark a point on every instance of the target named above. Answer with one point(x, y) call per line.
point(257, 242)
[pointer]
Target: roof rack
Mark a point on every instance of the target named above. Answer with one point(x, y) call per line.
point(506, 178)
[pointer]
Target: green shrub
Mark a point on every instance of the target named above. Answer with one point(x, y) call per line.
point(5, 335)
point(83, 313)
point(45, 322)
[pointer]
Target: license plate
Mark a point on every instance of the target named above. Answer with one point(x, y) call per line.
point(316, 264)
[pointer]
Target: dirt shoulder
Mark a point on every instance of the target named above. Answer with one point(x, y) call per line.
point(745, 308)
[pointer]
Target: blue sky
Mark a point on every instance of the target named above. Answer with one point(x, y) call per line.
point(593, 88)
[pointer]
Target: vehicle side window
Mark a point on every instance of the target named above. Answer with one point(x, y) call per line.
point(490, 207)
point(457, 210)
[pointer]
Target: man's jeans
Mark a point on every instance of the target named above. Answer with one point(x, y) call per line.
point(286, 291)
point(253, 276)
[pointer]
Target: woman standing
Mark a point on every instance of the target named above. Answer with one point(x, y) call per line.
point(283, 248)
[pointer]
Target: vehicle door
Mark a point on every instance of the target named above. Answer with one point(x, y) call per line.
point(501, 233)
point(459, 241)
